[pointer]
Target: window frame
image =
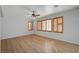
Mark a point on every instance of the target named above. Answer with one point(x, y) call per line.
point(45, 26)
point(58, 24)
point(31, 25)
point(51, 26)
point(40, 25)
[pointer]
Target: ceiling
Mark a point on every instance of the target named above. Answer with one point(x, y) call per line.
point(44, 10)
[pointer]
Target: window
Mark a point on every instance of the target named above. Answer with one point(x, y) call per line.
point(55, 25)
point(30, 25)
point(48, 28)
point(39, 25)
point(44, 25)
point(58, 25)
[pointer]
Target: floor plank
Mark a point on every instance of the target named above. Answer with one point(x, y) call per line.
point(36, 44)
point(3, 46)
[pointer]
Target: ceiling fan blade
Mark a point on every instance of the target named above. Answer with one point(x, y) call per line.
point(38, 15)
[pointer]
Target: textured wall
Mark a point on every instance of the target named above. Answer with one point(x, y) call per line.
point(15, 22)
point(71, 27)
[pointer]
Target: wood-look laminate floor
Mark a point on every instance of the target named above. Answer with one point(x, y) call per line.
point(36, 44)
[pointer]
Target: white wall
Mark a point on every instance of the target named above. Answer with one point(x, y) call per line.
point(0, 28)
point(0, 22)
point(71, 27)
point(0, 34)
point(14, 22)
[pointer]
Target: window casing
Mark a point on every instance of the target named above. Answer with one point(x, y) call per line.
point(39, 25)
point(30, 26)
point(58, 24)
point(49, 25)
point(44, 25)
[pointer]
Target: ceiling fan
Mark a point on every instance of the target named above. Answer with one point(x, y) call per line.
point(34, 14)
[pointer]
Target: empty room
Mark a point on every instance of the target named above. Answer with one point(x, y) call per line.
point(39, 28)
